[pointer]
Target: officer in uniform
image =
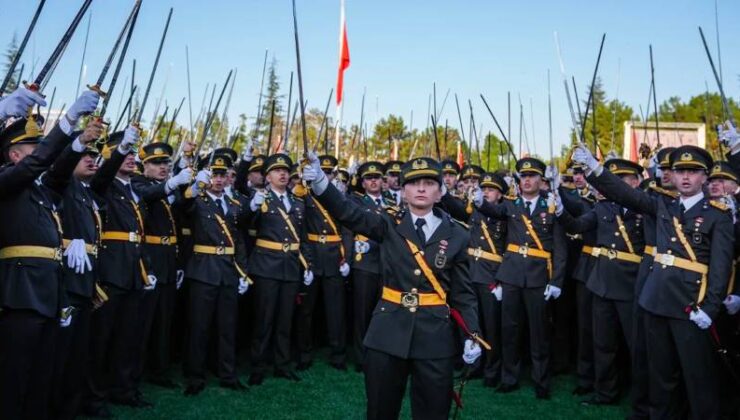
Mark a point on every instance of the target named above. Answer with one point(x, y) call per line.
point(32, 300)
point(485, 250)
point(216, 274)
point(279, 255)
point(330, 250)
point(392, 176)
point(531, 274)
point(425, 276)
point(124, 273)
point(470, 176)
point(160, 244)
point(450, 173)
point(367, 282)
point(683, 294)
point(618, 252)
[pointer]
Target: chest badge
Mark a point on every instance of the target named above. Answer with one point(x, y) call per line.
point(440, 260)
point(696, 238)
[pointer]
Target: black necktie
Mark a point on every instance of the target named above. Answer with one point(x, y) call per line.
point(130, 191)
point(377, 202)
point(528, 205)
point(682, 210)
point(420, 222)
point(220, 209)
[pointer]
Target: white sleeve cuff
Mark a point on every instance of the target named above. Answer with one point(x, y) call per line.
point(320, 185)
point(66, 126)
point(124, 150)
point(77, 146)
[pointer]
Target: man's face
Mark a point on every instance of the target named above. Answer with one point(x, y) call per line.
point(631, 180)
point(278, 178)
point(579, 179)
point(372, 184)
point(129, 165)
point(666, 179)
point(688, 182)
point(530, 183)
point(230, 177)
point(20, 151)
point(218, 182)
point(719, 187)
point(450, 181)
point(256, 179)
point(491, 195)
point(469, 182)
point(422, 193)
point(392, 180)
point(86, 167)
point(157, 171)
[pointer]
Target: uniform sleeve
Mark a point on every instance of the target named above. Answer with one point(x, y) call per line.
point(149, 192)
point(240, 182)
point(617, 190)
point(353, 216)
point(573, 203)
point(455, 207)
point(497, 211)
point(559, 254)
point(461, 296)
point(107, 172)
point(720, 265)
point(58, 177)
point(581, 224)
point(306, 251)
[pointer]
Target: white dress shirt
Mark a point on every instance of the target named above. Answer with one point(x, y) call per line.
point(689, 202)
point(284, 199)
point(223, 199)
point(125, 184)
point(431, 225)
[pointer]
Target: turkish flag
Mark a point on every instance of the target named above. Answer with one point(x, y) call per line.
point(343, 55)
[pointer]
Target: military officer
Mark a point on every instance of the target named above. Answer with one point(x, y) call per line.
point(683, 294)
point(531, 274)
point(470, 176)
point(410, 332)
point(450, 173)
point(392, 174)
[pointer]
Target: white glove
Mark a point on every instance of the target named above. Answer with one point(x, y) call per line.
point(17, 103)
point(478, 197)
point(362, 247)
point(257, 200)
point(509, 180)
point(730, 202)
point(729, 136)
point(202, 179)
point(553, 199)
point(152, 282)
point(344, 269)
point(582, 155)
point(308, 277)
point(732, 303)
point(130, 137)
point(556, 181)
point(552, 292)
point(243, 285)
point(247, 154)
point(353, 168)
point(179, 279)
point(65, 319)
point(471, 351)
point(341, 186)
point(77, 257)
point(182, 178)
point(498, 292)
point(701, 319)
point(312, 172)
point(84, 105)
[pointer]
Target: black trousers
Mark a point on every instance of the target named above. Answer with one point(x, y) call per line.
point(640, 395)
point(385, 386)
point(563, 312)
point(332, 289)
point(681, 355)
point(26, 363)
point(206, 302)
point(115, 345)
point(71, 363)
point(610, 319)
point(489, 313)
point(520, 305)
point(367, 288)
point(585, 362)
point(158, 330)
point(274, 308)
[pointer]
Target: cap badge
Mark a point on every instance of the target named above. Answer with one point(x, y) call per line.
point(419, 164)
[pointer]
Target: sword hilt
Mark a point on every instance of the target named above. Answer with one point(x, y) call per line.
point(98, 90)
point(33, 87)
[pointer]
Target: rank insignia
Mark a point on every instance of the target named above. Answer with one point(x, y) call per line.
point(696, 238)
point(440, 260)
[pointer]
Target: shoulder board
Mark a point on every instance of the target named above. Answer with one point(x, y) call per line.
point(660, 190)
point(464, 225)
point(393, 210)
point(511, 197)
point(719, 205)
point(235, 201)
point(297, 198)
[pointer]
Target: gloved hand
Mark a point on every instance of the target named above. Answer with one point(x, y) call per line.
point(17, 103)
point(202, 179)
point(243, 285)
point(728, 135)
point(308, 277)
point(471, 351)
point(248, 150)
point(344, 269)
point(312, 172)
point(179, 277)
point(582, 155)
point(552, 292)
point(729, 200)
point(553, 199)
point(353, 169)
point(130, 137)
point(478, 197)
point(498, 292)
point(556, 181)
point(341, 186)
point(182, 178)
point(257, 200)
point(732, 303)
point(65, 317)
point(84, 105)
point(77, 257)
point(362, 247)
point(152, 282)
point(93, 132)
point(701, 319)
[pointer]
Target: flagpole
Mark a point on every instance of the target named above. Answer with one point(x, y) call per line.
point(343, 55)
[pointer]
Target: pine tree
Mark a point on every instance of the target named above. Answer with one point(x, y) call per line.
point(10, 54)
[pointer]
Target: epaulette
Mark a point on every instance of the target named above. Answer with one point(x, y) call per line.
point(661, 190)
point(396, 213)
point(464, 225)
point(719, 205)
point(511, 197)
point(298, 198)
point(392, 210)
point(234, 201)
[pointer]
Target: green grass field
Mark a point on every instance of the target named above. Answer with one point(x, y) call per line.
point(325, 393)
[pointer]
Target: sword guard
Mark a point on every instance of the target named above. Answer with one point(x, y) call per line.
point(98, 90)
point(33, 87)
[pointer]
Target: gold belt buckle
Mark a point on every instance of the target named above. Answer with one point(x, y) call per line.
point(286, 247)
point(58, 254)
point(666, 259)
point(165, 240)
point(477, 252)
point(611, 254)
point(220, 250)
point(322, 239)
point(132, 237)
point(410, 300)
point(524, 250)
point(596, 252)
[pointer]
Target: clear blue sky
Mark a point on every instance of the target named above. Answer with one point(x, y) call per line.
point(400, 48)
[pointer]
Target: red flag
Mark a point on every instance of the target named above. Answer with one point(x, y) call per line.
point(460, 158)
point(343, 55)
point(634, 157)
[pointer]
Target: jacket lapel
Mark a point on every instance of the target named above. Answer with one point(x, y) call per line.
point(407, 230)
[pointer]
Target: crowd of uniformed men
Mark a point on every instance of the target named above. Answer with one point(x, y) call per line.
point(117, 256)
